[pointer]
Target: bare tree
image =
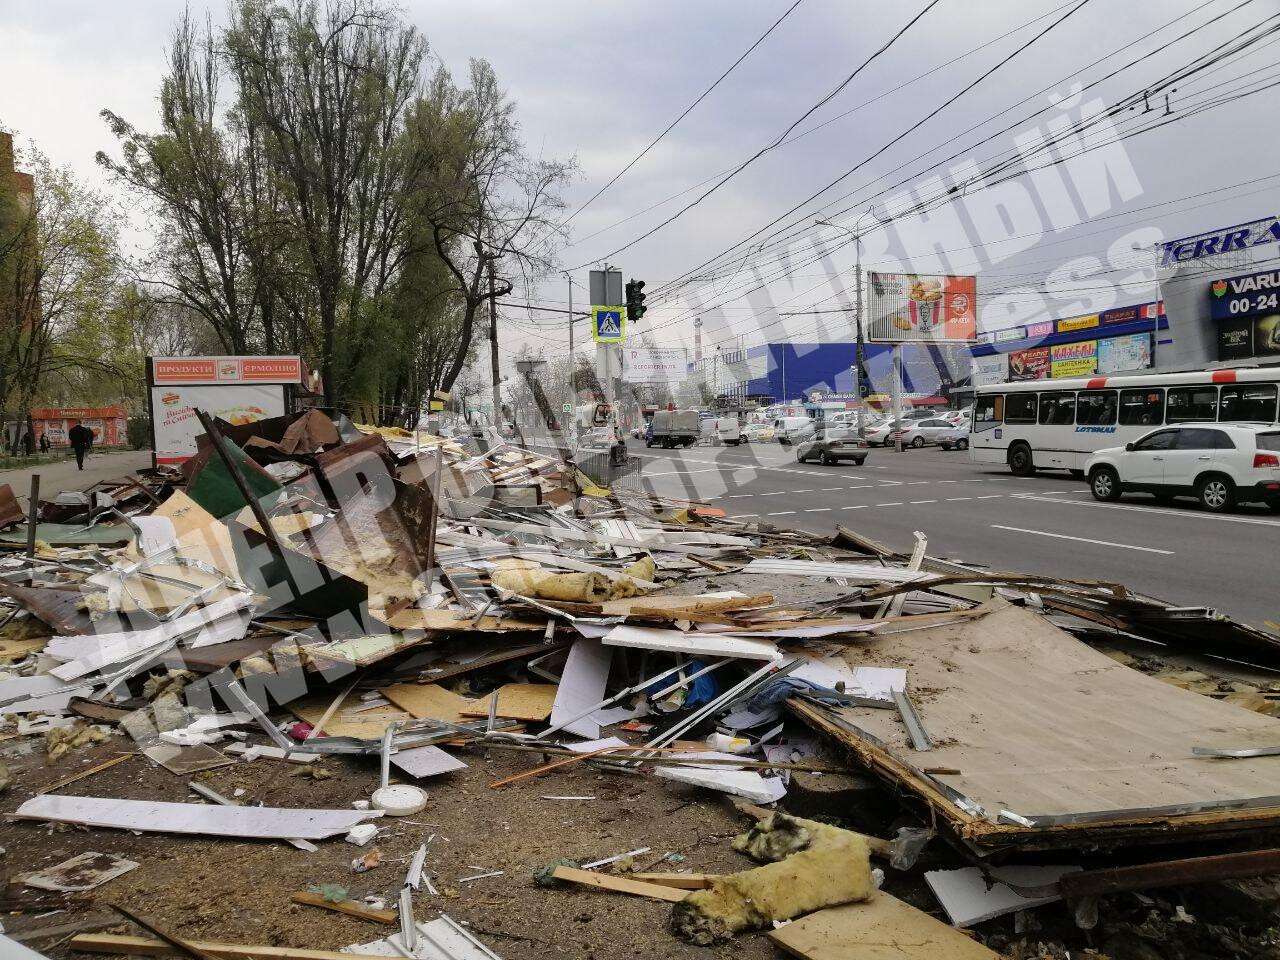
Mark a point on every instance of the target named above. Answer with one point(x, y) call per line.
point(487, 204)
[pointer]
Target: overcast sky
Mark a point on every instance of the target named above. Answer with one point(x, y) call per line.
point(597, 81)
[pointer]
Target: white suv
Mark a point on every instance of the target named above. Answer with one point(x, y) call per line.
point(1220, 464)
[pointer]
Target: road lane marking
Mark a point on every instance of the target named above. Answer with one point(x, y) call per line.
point(780, 513)
point(1063, 536)
point(892, 503)
point(819, 510)
point(993, 496)
point(957, 499)
point(857, 506)
point(1256, 521)
point(923, 501)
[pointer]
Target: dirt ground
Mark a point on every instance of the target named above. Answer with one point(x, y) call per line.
point(210, 889)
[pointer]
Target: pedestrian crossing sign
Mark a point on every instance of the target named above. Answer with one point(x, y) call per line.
point(609, 324)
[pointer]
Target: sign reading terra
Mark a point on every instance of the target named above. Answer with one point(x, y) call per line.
point(608, 324)
point(1240, 237)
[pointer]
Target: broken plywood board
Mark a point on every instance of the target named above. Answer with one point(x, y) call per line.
point(882, 928)
point(365, 725)
point(450, 620)
point(691, 643)
point(1052, 730)
point(258, 823)
point(428, 701)
point(362, 651)
point(517, 701)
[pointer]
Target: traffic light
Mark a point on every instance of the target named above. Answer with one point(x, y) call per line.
point(635, 300)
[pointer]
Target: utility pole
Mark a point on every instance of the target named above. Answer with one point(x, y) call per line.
point(493, 350)
point(570, 279)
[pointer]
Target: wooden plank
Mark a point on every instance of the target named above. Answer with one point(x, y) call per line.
point(516, 701)
point(148, 947)
point(882, 928)
point(681, 881)
point(351, 908)
point(605, 881)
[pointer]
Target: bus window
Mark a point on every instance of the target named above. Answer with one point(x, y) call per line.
point(1096, 408)
point(1142, 408)
point(1248, 403)
point(1192, 405)
point(988, 411)
point(1058, 409)
point(1020, 408)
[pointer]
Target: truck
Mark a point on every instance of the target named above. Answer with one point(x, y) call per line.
point(672, 428)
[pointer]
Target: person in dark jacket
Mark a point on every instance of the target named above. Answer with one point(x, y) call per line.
point(81, 438)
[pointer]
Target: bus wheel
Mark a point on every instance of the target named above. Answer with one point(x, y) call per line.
point(1020, 461)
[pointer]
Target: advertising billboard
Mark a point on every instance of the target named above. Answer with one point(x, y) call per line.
point(1247, 295)
point(1117, 354)
point(1074, 359)
point(913, 308)
point(990, 370)
point(174, 426)
point(1032, 364)
point(645, 365)
point(192, 370)
point(1038, 331)
point(1071, 324)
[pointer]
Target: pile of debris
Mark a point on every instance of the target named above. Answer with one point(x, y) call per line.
point(914, 738)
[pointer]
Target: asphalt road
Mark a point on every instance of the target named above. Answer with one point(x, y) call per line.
point(1047, 524)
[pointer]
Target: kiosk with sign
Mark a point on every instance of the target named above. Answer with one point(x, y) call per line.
point(236, 389)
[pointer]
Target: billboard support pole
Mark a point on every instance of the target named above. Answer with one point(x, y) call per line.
point(897, 396)
point(858, 349)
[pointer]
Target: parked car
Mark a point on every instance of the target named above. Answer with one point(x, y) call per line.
point(673, 428)
point(831, 446)
point(882, 433)
point(1220, 464)
point(789, 430)
point(728, 431)
point(757, 432)
point(957, 438)
point(924, 433)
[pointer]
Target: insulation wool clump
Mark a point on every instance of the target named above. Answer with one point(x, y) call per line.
point(814, 865)
point(529, 579)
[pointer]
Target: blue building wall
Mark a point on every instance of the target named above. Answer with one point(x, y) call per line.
point(792, 370)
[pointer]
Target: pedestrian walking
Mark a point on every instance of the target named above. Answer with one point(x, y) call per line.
point(81, 438)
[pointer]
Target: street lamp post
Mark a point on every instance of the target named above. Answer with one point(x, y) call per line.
point(859, 349)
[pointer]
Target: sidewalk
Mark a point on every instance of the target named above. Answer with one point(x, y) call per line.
point(63, 475)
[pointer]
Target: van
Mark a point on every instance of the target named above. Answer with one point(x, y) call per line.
point(791, 430)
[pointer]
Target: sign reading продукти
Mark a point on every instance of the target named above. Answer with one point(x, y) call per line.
point(609, 324)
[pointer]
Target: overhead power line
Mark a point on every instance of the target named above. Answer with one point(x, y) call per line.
point(702, 96)
point(782, 136)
